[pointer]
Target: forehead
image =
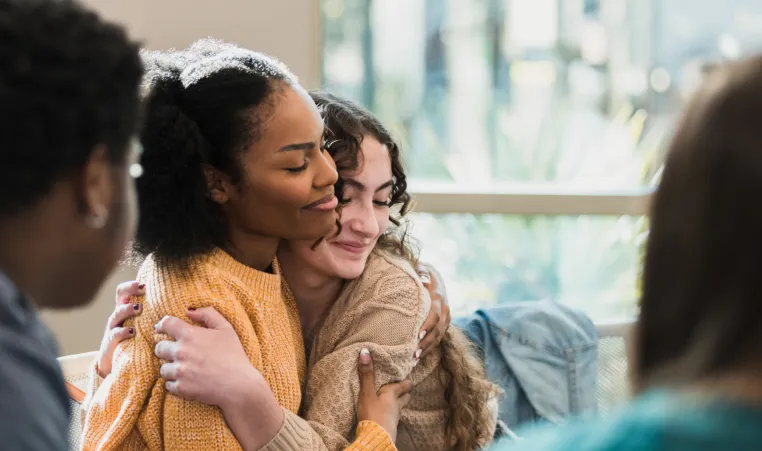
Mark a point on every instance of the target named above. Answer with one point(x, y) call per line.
point(376, 163)
point(294, 119)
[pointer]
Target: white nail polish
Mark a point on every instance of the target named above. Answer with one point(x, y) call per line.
point(418, 353)
point(421, 335)
point(364, 351)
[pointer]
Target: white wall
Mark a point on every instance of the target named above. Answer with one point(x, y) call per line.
point(286, 29)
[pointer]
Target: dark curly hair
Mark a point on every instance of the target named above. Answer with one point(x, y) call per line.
point(466, 387)
point(204, 106)
point(68, 83)
point(346, 125)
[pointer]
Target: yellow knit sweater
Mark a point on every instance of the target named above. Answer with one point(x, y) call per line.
point(131, 409)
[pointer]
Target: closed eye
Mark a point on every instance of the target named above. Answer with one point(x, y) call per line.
point(300, 168)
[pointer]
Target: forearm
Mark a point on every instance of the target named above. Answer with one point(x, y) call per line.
point(254, 417)
point(93, 383)
point(297, 434)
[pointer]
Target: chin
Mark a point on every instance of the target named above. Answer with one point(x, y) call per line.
point(314, 232)
point(349, 270)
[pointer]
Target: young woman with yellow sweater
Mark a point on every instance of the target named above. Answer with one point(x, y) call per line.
point(358, 290)
point(234, 162)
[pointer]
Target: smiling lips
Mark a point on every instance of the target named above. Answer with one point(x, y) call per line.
point(328, 203)
point(352, 247)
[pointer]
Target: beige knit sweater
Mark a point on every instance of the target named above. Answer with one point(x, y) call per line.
point(383, 310)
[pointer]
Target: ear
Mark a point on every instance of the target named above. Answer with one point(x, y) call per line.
point(97, 188)
point(218, 184)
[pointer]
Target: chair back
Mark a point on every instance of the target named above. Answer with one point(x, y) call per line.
point(76, 371)
point(614, 350)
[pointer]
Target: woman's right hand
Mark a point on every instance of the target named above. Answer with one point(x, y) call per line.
point(385, 406)
point(115, 331)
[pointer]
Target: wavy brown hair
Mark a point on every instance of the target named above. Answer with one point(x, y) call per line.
point(466, 388)
point(699, 314)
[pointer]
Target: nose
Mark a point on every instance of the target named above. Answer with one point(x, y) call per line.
point(325, 173)
point(362, 220)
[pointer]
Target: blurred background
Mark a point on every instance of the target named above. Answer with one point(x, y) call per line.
point(533, 130)
point(564, 102)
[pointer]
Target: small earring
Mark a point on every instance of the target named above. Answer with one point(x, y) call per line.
point(98, 219)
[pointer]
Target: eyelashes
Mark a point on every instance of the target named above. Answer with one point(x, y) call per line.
point(323, 147)
point(377, 203)
point(299, 169)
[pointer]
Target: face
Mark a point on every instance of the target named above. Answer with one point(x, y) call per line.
point(103, 229)
point(287, 182)
point(364, 217)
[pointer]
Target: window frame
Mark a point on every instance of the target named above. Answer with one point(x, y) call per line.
point(529, 200)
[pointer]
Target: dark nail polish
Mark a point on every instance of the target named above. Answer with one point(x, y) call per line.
point(136, 307)
point(141, 286)
point(132, 331)
point(192, 309)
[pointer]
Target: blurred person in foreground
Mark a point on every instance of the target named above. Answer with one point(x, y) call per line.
point(69, 106)
point(698, 363)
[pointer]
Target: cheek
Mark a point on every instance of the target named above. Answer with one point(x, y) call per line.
point(382, 216)
point(272, 203)
point(125, 210)
point(279, 191)
point(132, 210)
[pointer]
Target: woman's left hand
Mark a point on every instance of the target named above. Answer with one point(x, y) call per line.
point(205, 364)
point(438, 321)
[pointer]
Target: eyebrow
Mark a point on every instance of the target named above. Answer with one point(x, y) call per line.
point(360, 187)
point(302, 146)
point(298, 146)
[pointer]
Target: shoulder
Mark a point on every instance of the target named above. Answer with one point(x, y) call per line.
point(388, 271)
point(393, 281)
point(172, 289)
point(34, 409)
point(599, 435)
point(639, 426)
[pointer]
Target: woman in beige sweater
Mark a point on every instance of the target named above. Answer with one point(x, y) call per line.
point(358, 290)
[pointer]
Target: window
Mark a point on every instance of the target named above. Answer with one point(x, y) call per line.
point(588, 262)
point(534, 124)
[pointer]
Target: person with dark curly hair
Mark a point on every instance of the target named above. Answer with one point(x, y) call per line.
point(69, 113)
point(358, 291)
point(234, 162)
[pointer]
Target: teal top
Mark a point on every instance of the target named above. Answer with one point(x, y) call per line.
point(657, 421)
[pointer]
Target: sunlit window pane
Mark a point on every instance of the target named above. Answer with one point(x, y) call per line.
point(589, 262)
point(575, 92)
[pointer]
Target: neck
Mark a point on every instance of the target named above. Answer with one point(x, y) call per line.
point(314, 292)
point(742, 386)
point(254, 251)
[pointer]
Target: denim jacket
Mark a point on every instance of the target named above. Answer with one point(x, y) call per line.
point(542, 354)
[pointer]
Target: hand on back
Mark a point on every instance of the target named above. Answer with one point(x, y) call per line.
point(201, 359)
point(116, 332)
point(438, 321)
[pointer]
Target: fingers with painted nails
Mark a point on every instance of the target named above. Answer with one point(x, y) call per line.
point(125, 308)
point(436, 324)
